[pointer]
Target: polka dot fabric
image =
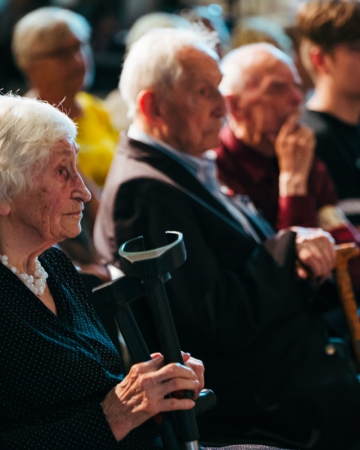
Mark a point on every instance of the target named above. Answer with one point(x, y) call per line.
point(245, 447)
point(56, 369)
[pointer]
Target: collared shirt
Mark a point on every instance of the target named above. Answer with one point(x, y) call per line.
point(204, 170)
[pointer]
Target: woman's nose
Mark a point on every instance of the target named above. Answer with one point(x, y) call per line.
point(83, 193)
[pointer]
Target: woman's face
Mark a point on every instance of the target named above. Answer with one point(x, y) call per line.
point(66, 68)
point(51, 211)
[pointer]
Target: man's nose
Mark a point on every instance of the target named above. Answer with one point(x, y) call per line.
point(297, 95)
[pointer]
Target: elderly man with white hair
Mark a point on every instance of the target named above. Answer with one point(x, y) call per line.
point(265, 152)
point(267, 155)
point(239, 301)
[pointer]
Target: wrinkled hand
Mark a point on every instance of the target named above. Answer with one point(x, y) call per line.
point(198, 367)
point(142, 394)
point(294, 148)
point(316, 252)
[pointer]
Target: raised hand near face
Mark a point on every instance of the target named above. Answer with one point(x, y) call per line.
point(294, 148)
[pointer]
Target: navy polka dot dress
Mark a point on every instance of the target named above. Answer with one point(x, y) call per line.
point(57, 369)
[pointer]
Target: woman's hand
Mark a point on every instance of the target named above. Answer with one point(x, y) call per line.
point(142, 393)
point(198, 367)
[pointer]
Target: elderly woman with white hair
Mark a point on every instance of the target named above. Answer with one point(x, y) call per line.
point(62, 384)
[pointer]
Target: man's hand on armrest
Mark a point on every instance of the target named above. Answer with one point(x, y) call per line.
point(316, 253)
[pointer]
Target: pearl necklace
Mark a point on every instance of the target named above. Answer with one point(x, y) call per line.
point(36, 283)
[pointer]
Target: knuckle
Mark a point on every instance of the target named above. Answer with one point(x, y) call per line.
point(145, 382)
point(135, 370)
point(173, 368)
point(173, 403)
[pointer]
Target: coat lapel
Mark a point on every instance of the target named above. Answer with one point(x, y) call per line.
point(176, 172)
point(184, 179)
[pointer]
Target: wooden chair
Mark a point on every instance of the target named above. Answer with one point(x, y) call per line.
point(344, 253)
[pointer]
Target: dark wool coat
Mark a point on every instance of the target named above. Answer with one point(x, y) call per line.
point(237, 306)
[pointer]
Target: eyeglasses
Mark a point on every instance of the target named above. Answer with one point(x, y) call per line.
point(63, 53)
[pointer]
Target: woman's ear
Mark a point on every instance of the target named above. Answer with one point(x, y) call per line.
point(148, 105)
point(4, 208)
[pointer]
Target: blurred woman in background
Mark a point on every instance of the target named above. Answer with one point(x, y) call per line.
point(51, 47)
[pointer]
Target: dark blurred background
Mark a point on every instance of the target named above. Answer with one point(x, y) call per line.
point(111, 20)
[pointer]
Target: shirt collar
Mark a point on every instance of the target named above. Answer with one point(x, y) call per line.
point(201, 168)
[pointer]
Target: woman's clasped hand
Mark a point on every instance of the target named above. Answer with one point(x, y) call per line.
point(144, 392)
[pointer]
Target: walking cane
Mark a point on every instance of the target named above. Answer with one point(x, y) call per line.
point(153, 268)
point(146, 272)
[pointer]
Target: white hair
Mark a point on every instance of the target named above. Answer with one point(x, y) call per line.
point(42, 29)
point(152, 61)
point(236, 62)
point(29, 128)
point(154, 20)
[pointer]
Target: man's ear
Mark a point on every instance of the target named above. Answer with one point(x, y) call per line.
point(148, 105)
point(4, 208)
point(234, 106)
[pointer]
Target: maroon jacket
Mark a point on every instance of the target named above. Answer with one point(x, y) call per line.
point(248, 172)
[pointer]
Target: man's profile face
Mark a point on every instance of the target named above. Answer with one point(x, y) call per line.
point(270, 101)
point(193, 108)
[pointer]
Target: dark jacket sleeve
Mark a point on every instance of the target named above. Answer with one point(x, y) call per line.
point(230, 290)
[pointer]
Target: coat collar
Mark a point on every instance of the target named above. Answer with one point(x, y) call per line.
point(183, 178)
point(176, 172)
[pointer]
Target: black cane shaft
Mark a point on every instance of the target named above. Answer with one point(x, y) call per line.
point(170, 345)
point(164, 322)
point(132, 335)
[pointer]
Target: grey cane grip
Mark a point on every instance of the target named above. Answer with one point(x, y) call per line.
point(153, 267)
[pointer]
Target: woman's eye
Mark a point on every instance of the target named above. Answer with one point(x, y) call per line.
point(62, 171)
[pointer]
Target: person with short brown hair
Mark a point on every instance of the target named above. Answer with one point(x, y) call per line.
point(330, 49)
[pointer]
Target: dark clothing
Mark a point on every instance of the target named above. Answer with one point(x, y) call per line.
point(248, 172)
point(57, 369)
point(237, 306)
point(338, 145)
